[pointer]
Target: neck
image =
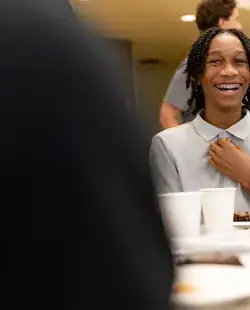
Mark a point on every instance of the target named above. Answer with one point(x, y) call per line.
point(222, 119)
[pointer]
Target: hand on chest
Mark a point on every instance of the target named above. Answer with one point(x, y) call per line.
point(230, 157)
point(217, 163)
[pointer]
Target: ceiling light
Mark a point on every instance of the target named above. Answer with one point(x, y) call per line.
point(188, 18)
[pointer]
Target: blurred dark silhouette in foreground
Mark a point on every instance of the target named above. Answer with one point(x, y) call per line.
point(78, 221)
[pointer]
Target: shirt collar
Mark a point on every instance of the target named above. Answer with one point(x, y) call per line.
point(209, 132)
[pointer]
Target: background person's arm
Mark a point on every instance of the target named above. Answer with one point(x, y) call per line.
point(175, 100)
point(169, 115)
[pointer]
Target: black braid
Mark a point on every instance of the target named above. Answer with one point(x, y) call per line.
point(196, 64)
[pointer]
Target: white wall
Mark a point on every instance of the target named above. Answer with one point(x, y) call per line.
point(151, 83)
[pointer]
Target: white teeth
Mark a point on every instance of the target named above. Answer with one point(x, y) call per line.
point(228, 86)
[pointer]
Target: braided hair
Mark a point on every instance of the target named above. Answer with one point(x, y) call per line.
point(196, 65)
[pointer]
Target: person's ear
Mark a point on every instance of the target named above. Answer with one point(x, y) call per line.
point(221, 23)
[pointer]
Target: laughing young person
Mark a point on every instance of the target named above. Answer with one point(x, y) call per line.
point(209, 14)
point(212, 150)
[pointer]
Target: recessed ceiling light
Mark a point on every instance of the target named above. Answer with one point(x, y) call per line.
point(188, 18)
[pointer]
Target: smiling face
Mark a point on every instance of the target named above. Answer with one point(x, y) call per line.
point(226, 74)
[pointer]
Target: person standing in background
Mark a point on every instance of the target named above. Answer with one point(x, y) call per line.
point(79, 220)
point(209, 13)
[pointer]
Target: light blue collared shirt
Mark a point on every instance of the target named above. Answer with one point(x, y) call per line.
point(179, 158)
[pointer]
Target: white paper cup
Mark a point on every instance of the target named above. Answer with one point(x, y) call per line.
point(181, 213)
point(218, 209)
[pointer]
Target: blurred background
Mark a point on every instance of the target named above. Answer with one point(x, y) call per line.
point(152, 37)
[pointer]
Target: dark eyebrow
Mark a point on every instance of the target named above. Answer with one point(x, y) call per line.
point(218, 52)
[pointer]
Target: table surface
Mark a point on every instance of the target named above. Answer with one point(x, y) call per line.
point(239, 305)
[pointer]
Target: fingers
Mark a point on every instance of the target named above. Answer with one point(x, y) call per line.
point(225, 143)
point(228, 143)
point(212, 162)
point(217, 164)
point(213, 158)
point(215, 148)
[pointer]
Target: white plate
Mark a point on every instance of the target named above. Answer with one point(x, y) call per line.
point(212, 284)
point(238, 241)
point(243, 225)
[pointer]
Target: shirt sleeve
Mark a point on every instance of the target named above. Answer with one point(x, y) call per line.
point(164, 172)
point(177, 94)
